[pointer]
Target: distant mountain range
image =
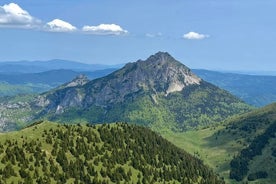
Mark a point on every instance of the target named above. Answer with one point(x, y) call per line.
point(28, 77)
point(43, 66)
point(52, 77)
point(28, 83)
point(254, 89)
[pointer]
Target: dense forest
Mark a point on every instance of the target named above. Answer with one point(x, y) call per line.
point(112, 153)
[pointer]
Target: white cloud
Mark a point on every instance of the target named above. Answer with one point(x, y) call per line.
point(58, 25)
point(153, 35)
point(12, 15)
point(105, 29)
point(194, 36)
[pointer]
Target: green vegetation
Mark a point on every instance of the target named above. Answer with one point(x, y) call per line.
point(7, 89)
point(16, 112)
point(203, 105)
point(216, 153)
point(249, 137)
point(196, 106)
point(239, 165)
point(110, 153)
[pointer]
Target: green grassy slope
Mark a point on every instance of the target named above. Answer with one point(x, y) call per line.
point(113, 153)
point(215, 153)
point(218, 145)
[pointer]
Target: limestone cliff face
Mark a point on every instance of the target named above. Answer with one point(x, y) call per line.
point(78, 81)
point(159, 74)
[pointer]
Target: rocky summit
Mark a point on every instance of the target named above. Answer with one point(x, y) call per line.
point(159, 74)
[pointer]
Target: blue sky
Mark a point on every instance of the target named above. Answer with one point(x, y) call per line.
point(210, 34)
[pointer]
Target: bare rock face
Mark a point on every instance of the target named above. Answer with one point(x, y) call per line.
point(159, 74)
point(78, 81)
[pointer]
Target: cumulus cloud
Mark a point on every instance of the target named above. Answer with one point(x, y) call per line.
point(194, 36)
point(58, 25)
point(105, 29)
point(12, 15)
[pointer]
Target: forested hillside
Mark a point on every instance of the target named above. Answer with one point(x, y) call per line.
point(113, 153)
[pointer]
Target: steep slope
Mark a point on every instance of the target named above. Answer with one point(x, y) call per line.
point(114, 153)
point(243, 147)
point(159, 92)
point(254, 89)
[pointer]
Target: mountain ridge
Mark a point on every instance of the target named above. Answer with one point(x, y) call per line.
point(54, 64)
point(159, 92)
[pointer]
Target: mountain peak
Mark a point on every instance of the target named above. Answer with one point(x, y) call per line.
point(161, 73)
point(164, 58)
point(161, 56)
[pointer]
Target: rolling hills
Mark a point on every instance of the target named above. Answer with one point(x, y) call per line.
point(12, 84)
point(33, 77)
point(115, 153)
